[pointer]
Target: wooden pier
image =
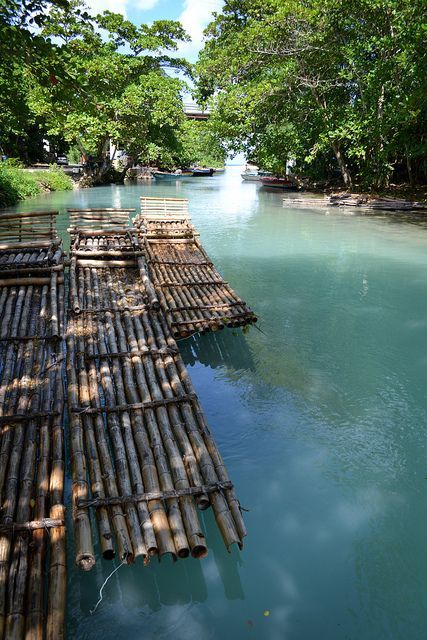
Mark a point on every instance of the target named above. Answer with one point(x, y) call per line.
point(193, 295)
point(32, 521)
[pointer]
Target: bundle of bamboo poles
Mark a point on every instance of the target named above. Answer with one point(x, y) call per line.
point(356, 200)
point(192, 294)
point(142, 454)
point(32, 517)
point(27, 226)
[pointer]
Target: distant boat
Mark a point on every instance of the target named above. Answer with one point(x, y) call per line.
point(279, 183)
point(219, 170)
point(166, 175)
point(199, 172)
point(251, 176)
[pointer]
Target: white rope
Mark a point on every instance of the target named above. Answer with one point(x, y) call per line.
point(92, 611)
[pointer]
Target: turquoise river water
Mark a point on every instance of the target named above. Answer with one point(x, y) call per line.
point(321, 418)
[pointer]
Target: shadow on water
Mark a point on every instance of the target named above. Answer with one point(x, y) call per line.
point(227, 348)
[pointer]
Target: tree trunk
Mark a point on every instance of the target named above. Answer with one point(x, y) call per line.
point(342, 164)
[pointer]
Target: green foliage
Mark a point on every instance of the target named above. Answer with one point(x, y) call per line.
point(17, 183)
point(113, 87)
point(200, 145)
point(55, 179)
point(331, 84)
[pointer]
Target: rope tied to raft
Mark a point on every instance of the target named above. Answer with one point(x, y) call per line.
point(101, 596)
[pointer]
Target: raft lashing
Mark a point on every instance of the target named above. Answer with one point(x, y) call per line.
point(193, 295)
point(32, 525)
point(143, 460)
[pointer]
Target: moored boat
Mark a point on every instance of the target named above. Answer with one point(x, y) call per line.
point(279, 183)
point(166, 175)
point(199, 172)
point(251, 176)
point(219, 170)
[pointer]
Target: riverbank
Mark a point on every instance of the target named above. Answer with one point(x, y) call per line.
point(16, 183)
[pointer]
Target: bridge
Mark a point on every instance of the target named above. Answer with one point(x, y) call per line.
point(194, 111)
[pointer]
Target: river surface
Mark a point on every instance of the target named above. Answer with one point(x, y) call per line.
point(321, 418)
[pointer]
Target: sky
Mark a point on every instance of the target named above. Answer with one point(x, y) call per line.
point(194, 15)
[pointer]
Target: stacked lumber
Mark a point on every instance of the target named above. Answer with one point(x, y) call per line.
point(143, 458)
point(356, 200)
point(192, 294)
point(32, 525)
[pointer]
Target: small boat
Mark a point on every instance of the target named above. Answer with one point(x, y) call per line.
point(199, 172)
point(279, 183)
point(166, 175)
point(251, 176)
point(219, 170)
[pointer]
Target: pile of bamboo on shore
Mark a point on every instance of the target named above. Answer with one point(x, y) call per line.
point(192, 294)
point(143, 458)
point(357, 200)
point(32, 524)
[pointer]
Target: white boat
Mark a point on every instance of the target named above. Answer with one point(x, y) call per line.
point(251, 176)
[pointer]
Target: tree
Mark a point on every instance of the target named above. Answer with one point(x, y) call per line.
point(199, 145)
point(319, 81)
point(23, 51)
point(112, 85)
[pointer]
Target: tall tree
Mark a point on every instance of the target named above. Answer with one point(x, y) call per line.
point(113, 85)
point(318, 80)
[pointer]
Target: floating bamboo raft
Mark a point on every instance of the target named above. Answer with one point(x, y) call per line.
point(32, 525)
point(192, 294)
point(356, 200)
point(143, 458)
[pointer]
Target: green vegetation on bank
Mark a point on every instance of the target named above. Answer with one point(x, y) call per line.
point(334, 89)
point(17, 184)
point(338, 87)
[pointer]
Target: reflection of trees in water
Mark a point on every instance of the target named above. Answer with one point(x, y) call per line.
point(227, 348)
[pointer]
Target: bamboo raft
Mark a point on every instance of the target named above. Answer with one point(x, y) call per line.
point(356, 200)
point(32, 520)
point(192, 294)
point(143, 458)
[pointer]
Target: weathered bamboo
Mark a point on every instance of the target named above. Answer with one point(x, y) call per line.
point(130, 406)
point(29, 313)
point(159, 428)
point(139, 548)
point(190, 290)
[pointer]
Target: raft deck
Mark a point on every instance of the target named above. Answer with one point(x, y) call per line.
point(143, 458)
point(32, 525)
point(193, 295)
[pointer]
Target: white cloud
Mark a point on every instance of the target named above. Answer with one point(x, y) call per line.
point(145, 5)
point(98, 6)
point(195, 17)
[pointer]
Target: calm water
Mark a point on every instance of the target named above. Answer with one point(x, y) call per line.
point(321, 419)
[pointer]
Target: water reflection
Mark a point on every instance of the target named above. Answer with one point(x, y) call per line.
point(227, 348)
